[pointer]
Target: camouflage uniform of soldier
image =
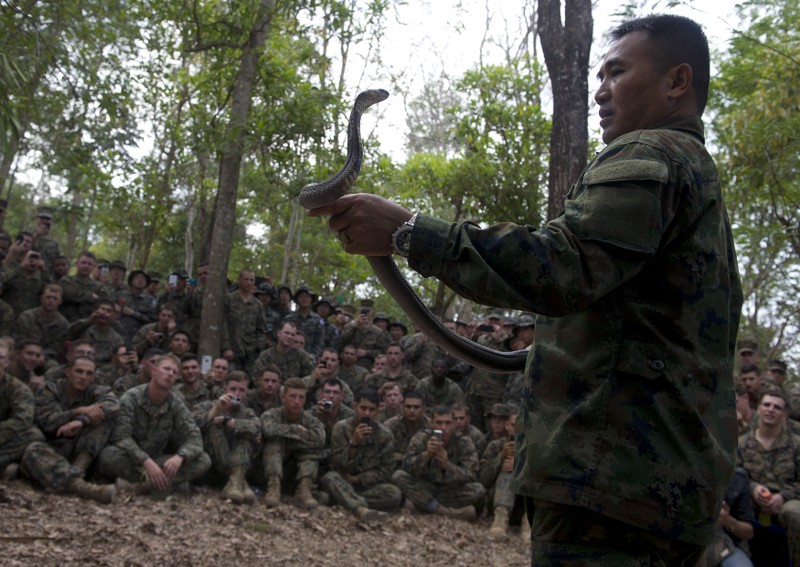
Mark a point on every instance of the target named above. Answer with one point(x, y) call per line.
point(372, 463)
point(106, 341)
point(148, 431)
point(354, 376)
point(51, 333)
point(193, 398)
point(405, 379)
point(485, 388)
point(293, 363)
point(45, 243)
point(140, 304)
point(22, 287)
point(245, 329)
point(292, 445)
point(58, 460)
point(80, 295)
point(424, 483)
point(313, 328)
point(402, 432)
point(420, 352)
point(17, 410)
point(372, 339)
point(446, 394)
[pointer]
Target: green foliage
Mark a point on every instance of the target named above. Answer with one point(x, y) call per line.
point(756, 123)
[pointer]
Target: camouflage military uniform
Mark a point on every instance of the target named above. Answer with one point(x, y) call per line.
point(122, 385)
point(313, 328)
point(314, 385)
point(192, 398)
point(49, 462)
point(79, 296)
point(144, 313)
point(446, 395)
point(51, 333)
point(300, 443)
point(777, 468)
point(406, 380)
point(182, 301)
point(330, 420)
point(402, 433)
point(17, 409)
point(106, 341)
point(373, 465)
point(354, 376)
point(20, 290)
point(148, 431)
point(245, 329)
point(8, 320)
point(48, 247)
point(228, 447)
point(254, 401)
point(372, 339)
point(496, 482)
point(423, 481)
point(485, 388)
point(419, 353)
point(640, 293)
point(141, 344)
point(293, 363)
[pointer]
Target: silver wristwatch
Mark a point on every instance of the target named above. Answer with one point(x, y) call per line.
point(401, 237)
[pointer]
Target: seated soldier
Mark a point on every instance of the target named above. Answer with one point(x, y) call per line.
point(155, 444)
point(463, 424)
point(362, 463)
point(496, 472)
point(437, 389)
point(193, 388)
point(394, 371)
point(350, 372)
point(411, 421)
point(141, 376)
point(215, 378)
point(292, 362)
point(327, 366)
point(124, 362)
point(496, 418)
point(17, 409)
point(230, 430)
point(329, 409)
point(99, 328)
point(391, 396)
point(27, 364)
point(266, 394)
point(156, 335)
point(76, 417)
point(293, 440)
point(180, 342)
point(45, 322)
point(79, 348)
point(440, 470)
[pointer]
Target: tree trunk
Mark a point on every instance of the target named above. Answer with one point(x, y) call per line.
point(230, 164)
point(566, 48)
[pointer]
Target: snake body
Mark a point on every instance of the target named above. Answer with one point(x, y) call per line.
point(318, 194)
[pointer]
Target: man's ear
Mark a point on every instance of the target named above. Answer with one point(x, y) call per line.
point(680, 81)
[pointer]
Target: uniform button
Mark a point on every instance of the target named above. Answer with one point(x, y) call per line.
point(657, 365)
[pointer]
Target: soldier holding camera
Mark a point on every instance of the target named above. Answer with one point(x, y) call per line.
point(230, 432)
point(43, 241)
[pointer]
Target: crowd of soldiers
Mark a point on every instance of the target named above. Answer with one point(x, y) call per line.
point(309, 400)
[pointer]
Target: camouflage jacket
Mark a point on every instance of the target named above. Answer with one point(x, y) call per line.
point(147, 430)
point(491, 462)
point(293, 363)
point(448, 394)
point(406, 380)
point(372, 339)
point(777, 468)
point(462, 460)
point(51, 332)
point(80, 294)
point(307, 432)
point(254, 401)
point(639, 292)
point(54, 409)
point(313, 328)
point(374, 460)
point(17, 408)
point(402, 433)
point(246, 425)
point(191, 399)
point(244, 330)
point(20, 290)
point(355, 376)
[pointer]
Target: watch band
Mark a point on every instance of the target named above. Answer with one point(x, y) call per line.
point(401, 237)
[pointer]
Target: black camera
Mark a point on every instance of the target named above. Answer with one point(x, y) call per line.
point(327, 405)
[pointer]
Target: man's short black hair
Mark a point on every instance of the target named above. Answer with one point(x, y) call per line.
point(367, 394)
point(676, 40)
point(747, 368)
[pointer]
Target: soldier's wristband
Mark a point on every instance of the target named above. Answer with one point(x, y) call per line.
point(182, 454)
point(83, 419)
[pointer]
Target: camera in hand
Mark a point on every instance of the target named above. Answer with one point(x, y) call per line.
point(366, 421)
point(235, 400)
point(327, 405)
point(438, 434)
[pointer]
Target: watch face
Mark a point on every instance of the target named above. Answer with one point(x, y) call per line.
point(402, 240)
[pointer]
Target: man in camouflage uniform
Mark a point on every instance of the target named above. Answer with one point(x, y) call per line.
point(639, 295)
point(27, 364)
point(156, 335)
point(486, 388)
point(368, 339)
point(17, 409)
point(76, 417)
point(411, 421)
point(293, 439)
point(230, 430)
point(81, 291)
point(292, 362)
point(43, 241)
point(136, 306)
point(156, 443)
point(327, 367)
point(140, 375)
point(307, 321)
point(23, 284)
point(770, 453)
point(350, 372)
point(177, 294)
point(265, 293)
point(124, 362)
point(324, 308)
point(45, 322)
point(193, 388)
point(464, 423)
point(266, 394)
point(419, 353)
point(244, 335)
point(362, 463)
point(99, 329)
point(330, 408)
point(437, 389)
point(440, 470)
point(394, 371)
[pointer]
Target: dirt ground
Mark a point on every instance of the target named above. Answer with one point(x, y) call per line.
point(43, 529)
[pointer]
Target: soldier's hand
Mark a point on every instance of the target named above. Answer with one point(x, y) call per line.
point(70, 429)
point(172, 465)
point(508, 449)
point(508, 464)
point(775, 504)
point(433, 446)
point(157, 477)
point(441, 458)
point(35, 382)
point(361, 432)
point(95, 414)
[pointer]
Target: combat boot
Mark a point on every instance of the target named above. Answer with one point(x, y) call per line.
point(500, 523)
point(104, 493)
point(303, 494)
point(467, 513)
point(127, 487)
point(248, 496)
point(273, 497)
point(368, 515)
point(233, 490)
point(525, 531)
point(82, 461)
point(11, 472)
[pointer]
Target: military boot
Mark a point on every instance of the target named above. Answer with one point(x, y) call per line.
point(525, 530)
point(500, 523)
point(233, 490)
point(303, 494)
point(248, 496)
point(273, 497)
point(369, 515)
point(104, 493)
point(467, 513)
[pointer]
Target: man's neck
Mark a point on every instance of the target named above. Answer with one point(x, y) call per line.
point(156, 395)
point(192, 386)
point(47, 314)
point(767, 434)
point(282, 349)
point(73, 395)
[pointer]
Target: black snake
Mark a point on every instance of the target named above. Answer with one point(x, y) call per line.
point(318, 194)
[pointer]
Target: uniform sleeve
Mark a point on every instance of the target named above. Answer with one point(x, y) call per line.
point(187, 432)
point(122, 436)
point(23, 406)
point(50, 414)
